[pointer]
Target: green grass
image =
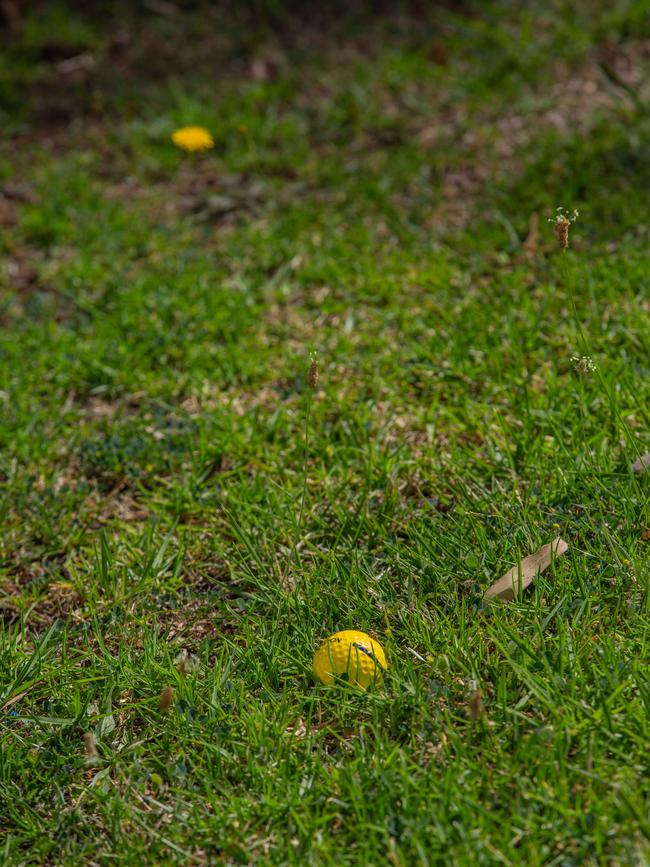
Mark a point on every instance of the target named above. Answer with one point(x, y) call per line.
point(367, 199)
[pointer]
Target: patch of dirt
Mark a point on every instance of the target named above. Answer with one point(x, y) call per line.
point(211, 397)
point(188, 624)
point(20, 273)
point(98, 407)
point(614, 73)
point(22, 594)
point(121, 505)
point(8, 213)
point(59, 602)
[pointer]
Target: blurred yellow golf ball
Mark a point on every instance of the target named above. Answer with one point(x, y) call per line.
point(351, 655)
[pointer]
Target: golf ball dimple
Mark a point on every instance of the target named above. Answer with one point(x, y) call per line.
point(350, 655)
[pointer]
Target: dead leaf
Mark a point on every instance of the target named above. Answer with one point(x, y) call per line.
point(524, 573)
point(642, 464)
point(297, 729)
point(79, 63)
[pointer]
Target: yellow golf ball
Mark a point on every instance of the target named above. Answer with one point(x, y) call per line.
point(351, 655)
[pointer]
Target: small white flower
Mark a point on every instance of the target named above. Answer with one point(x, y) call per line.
point(583, 364)
point(562, 217)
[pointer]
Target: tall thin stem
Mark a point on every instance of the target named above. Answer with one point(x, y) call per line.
point(304, 462)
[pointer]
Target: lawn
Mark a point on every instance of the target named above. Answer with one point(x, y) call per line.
point(187, 514)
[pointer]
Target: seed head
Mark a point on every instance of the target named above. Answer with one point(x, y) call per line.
point(475, 708)
point(313, 376)
point(562, 232)
point(561, 224)
point(166, 698)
